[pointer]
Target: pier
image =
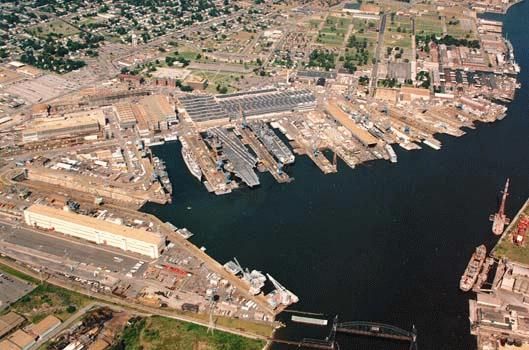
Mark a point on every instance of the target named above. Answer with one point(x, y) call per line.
point(264, 156)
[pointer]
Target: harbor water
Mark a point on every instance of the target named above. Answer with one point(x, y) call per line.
point(383, 242)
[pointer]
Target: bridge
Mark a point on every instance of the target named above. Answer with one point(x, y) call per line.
point(361, 328)
point(379, 330)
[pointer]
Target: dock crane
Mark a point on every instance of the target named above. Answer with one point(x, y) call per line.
point(523, 225)
point(500, 219)
point(286, 296)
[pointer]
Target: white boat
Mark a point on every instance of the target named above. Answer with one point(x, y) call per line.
point(191, 162)
point(436, 145)
point(171, 137)
point(391, 153)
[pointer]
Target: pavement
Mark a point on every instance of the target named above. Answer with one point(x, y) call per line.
point(66, 248)
point(380, 44)
point(12, 289)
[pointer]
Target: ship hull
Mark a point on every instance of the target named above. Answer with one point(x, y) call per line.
point(191, 164)
point(473, 269)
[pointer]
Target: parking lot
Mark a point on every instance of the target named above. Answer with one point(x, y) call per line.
point(12, 289)
point(66, 249)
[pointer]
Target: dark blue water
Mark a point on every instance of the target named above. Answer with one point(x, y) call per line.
point(382, 242)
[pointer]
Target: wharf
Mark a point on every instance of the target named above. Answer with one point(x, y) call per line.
point(264, 156)
point(272, 142)
point(215, 180)
point(240, 159)
point(303, 147)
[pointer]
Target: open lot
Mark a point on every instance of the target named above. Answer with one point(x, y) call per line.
point(42, 88)
point(460, 28)
point(506, 248)
point(12, 288)
point(61, 28)
point(46, 300)
point(8, 76)
point(159, 333)
point(334, 31)
point(398, 32)
point(428, 24)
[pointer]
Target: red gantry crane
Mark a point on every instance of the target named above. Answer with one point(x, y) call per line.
point(523, 224)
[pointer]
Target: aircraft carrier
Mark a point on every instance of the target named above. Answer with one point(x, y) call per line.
point(272, 142)
point(241, 161)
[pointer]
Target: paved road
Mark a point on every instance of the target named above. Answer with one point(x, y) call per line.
point(66, 324)
point(80, 251)
point(380, 44)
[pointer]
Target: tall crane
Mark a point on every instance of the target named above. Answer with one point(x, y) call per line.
point(286, 296)
point(499, 220)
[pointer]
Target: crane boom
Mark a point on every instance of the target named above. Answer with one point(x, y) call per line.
point(504, 198)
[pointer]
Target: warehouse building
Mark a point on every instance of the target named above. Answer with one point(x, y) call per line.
point(358, 133)
point(95, 230)
point(20, 339)
point(71, 125)
point(43, 328)
point(10, 321)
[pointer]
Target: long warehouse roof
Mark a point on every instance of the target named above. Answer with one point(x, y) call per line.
point(102, 225)
point(365, 137)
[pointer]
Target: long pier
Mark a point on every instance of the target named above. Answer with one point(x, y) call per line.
point(306, 343)
point(264, 156)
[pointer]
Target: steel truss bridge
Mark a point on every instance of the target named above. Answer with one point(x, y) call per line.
point(360, 328)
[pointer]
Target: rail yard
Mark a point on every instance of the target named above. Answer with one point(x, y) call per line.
point(260, 85)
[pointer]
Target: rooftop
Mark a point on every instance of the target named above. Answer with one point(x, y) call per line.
point(120, 230)
point(45, 325)
point(21, 339)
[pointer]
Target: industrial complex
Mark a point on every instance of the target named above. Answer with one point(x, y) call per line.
point(239, 89)
point(94, 230)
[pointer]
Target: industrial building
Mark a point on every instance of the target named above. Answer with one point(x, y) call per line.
point(10, 321)
point(44, 327)
point(159, 112)
point(71, 125)
point(95, 230)
point(360, 134)
point(253, 104)
point(21, 339)
point(125, 114)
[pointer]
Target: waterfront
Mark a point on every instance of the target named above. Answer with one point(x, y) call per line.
point(383, 242)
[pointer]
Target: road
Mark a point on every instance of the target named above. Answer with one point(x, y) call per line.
point(56, 245)
point(136, 308)
point(65, 324)
point(378, 51)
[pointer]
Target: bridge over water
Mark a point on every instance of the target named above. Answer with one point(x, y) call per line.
point(357, 328)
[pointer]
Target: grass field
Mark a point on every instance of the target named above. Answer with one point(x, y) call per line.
point(314, 23)
point(159, 333)
point(429, 24)
point(334, 31)
point(366, 29)
point(18, 274)
point(47, 299)
point(462, 29)
point(58, 27)
point(399, 24)
point(507, 249)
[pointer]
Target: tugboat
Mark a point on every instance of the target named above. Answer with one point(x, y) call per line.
point(473, 269)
